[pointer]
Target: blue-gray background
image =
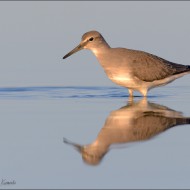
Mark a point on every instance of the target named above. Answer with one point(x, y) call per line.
point(34, 36)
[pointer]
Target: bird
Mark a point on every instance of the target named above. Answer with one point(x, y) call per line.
point(133, 69)
point(137, 121)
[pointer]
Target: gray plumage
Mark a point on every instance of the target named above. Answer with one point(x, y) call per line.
point(136, 70)
point(148, 67)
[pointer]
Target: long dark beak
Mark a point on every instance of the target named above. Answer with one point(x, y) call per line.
point(78, 48)
point(75, 145)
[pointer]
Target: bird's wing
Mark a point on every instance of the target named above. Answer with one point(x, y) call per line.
point(148, 67)
point(153, 123)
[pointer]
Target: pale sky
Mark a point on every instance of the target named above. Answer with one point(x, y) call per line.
point(36, 35)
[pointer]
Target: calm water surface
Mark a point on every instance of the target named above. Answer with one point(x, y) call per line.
point(94, 137)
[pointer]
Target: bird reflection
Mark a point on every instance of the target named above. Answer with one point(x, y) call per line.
point(137, 121)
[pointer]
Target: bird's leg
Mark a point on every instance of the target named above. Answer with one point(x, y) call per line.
point(130, 92)
point(144, 92)
point(130, 100)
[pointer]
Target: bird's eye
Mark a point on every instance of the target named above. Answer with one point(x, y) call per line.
point(91, 39)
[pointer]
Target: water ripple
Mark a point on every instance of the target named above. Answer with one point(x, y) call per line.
point(58, 92)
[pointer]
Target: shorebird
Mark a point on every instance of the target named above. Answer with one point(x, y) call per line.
point(133, 69)
point(137, 121)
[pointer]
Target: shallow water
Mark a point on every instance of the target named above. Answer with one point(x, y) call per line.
point(94, 137)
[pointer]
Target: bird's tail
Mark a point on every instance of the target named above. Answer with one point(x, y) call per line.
point(183, 121)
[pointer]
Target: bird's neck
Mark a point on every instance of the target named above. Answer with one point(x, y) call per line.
point(101, 52)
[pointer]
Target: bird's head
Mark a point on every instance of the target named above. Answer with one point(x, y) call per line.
point(90, 40)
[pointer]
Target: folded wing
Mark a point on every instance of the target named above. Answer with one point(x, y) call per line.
point(148, 67)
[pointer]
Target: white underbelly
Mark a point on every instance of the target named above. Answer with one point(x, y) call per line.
point(126, 81)
point(134, 83)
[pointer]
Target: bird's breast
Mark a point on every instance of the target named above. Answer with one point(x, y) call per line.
point(126, 80)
